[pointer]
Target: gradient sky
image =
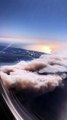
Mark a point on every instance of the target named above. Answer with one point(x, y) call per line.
point(43, 19)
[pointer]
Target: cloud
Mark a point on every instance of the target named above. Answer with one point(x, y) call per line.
point(43, 74)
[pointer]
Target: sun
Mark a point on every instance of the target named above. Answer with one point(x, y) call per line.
point(46, 49)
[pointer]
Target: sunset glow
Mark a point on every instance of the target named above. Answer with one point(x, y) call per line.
point(36, 44)
point(46, 49)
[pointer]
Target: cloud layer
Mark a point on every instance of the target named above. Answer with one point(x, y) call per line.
point(43, 74)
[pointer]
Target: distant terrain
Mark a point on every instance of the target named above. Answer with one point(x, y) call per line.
point(12, 54)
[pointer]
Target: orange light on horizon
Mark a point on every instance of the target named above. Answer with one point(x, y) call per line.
point(36, 44)
point(46, 49)
point(40, 48)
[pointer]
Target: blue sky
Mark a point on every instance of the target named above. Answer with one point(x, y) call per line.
point(34, 18)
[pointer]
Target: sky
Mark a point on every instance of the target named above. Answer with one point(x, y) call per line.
point(45, 20)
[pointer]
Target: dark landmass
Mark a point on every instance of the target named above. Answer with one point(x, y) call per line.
point(12, 54)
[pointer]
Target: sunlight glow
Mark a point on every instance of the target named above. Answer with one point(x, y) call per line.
point(46, 49)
